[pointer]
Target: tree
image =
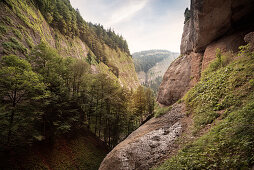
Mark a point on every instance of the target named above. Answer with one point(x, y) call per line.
point(20, 87)
point(187, 15)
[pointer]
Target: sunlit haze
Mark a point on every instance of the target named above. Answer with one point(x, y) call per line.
point(145, 24)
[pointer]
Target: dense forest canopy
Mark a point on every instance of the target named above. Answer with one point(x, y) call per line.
point(44, 95)
point(60, 14)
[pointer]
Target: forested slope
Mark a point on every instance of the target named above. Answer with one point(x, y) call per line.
point(60, 75)
point(151, 65)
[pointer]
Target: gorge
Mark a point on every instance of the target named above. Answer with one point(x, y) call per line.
point(223, 25)
point(71, 94)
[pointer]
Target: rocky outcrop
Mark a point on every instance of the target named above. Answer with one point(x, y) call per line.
point(148, 144)
point(213, 19)
point(227, 43)
point(178, 75)
point(213, 24)
point(249, 38)
point(182, 74)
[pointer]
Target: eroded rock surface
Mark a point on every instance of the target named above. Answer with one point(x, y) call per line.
point(213, 24)
point(249, 38)
point(149, 143)
point(212, 19)
point(175, 81)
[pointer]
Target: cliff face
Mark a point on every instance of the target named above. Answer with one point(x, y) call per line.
point(151, 65)
point(23, 26)
point(212, 25)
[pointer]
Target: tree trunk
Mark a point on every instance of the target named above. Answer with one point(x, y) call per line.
point(12, 117)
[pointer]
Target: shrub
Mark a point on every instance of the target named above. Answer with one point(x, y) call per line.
point(159, 111)
point(13, 45)
point(17, 33)
point(251, 82)
point(245, 50)
point(3, 29)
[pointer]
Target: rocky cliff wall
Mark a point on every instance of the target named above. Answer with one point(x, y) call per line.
point(22, 27)
point(213, 24)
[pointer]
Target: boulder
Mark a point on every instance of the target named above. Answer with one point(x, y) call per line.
point(150, 143)
point(249, 38)
point(175, 81)
point(181, 75)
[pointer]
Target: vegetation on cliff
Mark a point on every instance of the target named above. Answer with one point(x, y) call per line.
point(60, 75)
point(224, 98)
point(46, 95)
point(151, 66)
point(25, 24)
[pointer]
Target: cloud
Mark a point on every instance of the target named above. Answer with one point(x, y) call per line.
point(127, 10)
point(145, 24)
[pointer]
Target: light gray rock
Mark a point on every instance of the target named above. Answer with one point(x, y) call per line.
point(148, 144)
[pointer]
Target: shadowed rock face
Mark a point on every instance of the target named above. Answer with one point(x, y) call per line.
point(249, 38)
point(213, 24)
point(178, 75)
point(148, 144)
point(181, 75)
point(213, 19)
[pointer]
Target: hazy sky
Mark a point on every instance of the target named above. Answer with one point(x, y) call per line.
point(145, 24)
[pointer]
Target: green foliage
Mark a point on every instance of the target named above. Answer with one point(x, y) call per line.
point(60, 15)
point(145, 60)
point(216, 90)
point(154, 85)
point(251, 82)
point(74, 98)
point(20, 88)
point(222, 60)
point(13, 45)
point(29, 40)
point(225, 92)
point(159, 111)
point(8, 21)
point(245, 51)
point(82, 150)
point(3, 29)
point(228, 145)
point(187, 15)
point(17, 33)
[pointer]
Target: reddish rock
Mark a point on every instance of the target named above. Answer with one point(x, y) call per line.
point(186, 43)
point(175, 81)
point(249, 38)
point(196, 64)
point(213, 19)
point(228, 43)
point(213, 24)
point(182, 74)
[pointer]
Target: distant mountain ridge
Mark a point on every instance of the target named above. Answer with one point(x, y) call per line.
point(151, 65)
